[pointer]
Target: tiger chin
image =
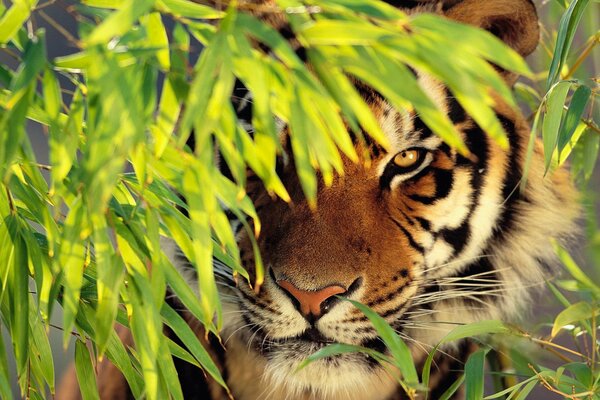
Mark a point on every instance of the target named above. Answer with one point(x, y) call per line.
point(422, 235)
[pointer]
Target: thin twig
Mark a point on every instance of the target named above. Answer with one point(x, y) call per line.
point(591, 125)
point(584, 54)
point(60, 29)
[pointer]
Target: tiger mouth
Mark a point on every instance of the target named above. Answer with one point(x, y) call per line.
point(313, 336)
point(309, 341)
point(305, 344)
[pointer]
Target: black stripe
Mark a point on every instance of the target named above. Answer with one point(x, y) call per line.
point(443, 179)
point(394, 310)
point(477, 142)
point(425, 223)
point(456, 112)
point(389, 297)
point(457, 238)
point(411, 239)
point(510, 190)
point(423, 130)
point(408, 219)
point(408, 4)
point(289, 35)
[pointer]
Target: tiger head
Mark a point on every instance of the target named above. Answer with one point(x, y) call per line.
point(422, 235)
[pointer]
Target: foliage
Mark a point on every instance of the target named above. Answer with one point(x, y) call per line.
point(84, 231)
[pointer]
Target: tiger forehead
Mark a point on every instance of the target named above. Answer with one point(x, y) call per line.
point(403, 127)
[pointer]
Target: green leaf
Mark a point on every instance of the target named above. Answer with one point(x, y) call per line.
point(555, 100)
point(474, 374)
point(41, 350)
point(85, 372)
point(341, 348)
point(573, 269)
point(119, 22)
point(166, 117)
point(398, 349)
point(64, 142)
point(475, 329)
point(71, 259)
point(591, 144)
point(145, 327)
point(460, 332)
point(168, 371)
point(526, 390)
point(34, 61)
point(5, 378)
point(574, 313)
point(117, 354)
point(190, 340)
point(14, 18)
point(566, 32)
point(157, 37)
point(184, 8)
point(110, 278)
point(19, 296)
point(52, 96)
point(338, 32)
point(573, 116)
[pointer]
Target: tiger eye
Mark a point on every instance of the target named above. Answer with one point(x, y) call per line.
point(406, 158)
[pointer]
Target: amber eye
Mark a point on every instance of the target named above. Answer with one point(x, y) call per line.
point(407, 158)
point(406, 162)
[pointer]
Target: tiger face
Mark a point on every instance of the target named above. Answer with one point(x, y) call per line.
point(422, 235)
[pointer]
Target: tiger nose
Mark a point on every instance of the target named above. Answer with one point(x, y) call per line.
point(311, 302)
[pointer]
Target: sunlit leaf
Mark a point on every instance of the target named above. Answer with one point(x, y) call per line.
point(14, 17)
point(573, 313)
point(552, 118)
point(573, 116)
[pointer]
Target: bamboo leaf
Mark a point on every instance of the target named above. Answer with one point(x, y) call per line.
point(190, 340)
point(573, 116)
point(398, 349)
point(85, 372)
point(110, 278)
point(42, 353)
point(184, 8)
point(341, 348)
point(13, 19)
point(5, 379)
point(474, 374)
point(553, 116)
point(157, 37)
point(566, 32)
point(71, 259)
point(18, 296)
point(574, 313)
point(119, 22)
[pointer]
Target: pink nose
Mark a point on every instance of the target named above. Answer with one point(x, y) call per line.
point(311, 301)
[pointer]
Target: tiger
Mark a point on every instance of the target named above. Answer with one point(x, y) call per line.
point(427, 238)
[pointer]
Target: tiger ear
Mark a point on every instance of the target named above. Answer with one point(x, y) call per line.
point(515, 22)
